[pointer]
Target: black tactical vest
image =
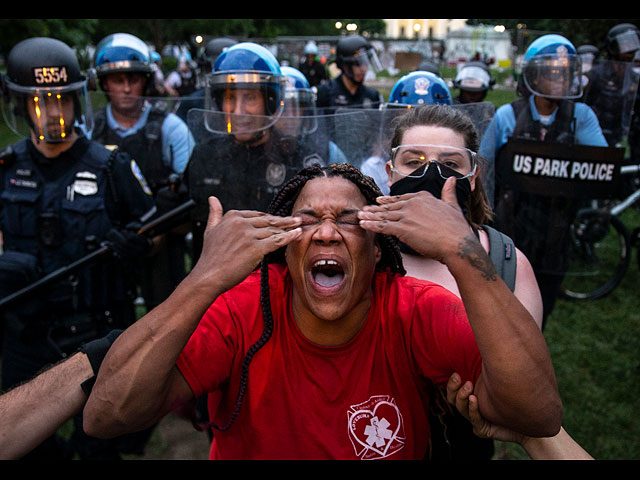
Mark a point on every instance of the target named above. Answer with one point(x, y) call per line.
point(144, 146)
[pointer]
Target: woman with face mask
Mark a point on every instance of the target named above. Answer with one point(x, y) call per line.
point(429, 145)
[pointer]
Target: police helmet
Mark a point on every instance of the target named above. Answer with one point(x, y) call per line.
point(216, 46)
point(552, 68)
point(419, 88)
point(622, 39)
point(474, 77)
point(588, 54)
point(299, 102)
point(354, 50)
point(123, 52)
point(298, 87)
point(247, 65)
point(311, 48)
point(43, 79)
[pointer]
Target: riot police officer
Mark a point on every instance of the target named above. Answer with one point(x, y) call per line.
point(314, 71)
point(240, 157)
point(539, 223)
point(354, 58)
point(611, 92)
point(473, 81)
point(611, 84)
point(157, 139)
point(61, 196)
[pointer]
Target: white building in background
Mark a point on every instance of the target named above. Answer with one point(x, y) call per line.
point(462, 42)
point(435, 28)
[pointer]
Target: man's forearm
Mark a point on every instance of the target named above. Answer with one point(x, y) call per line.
point(33, 411)
point(517, 387)
point(133, 387)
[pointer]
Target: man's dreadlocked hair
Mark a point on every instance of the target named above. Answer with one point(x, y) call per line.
point(282, 205)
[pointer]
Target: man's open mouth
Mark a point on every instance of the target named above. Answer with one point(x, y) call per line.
point(327, 273)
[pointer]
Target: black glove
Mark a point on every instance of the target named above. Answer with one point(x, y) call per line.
point(171, 196)
point(96, 350)
point(127, 243)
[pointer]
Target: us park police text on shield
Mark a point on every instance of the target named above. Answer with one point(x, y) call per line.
point(576, 171)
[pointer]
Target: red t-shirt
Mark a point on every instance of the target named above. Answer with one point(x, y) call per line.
point(365, 399)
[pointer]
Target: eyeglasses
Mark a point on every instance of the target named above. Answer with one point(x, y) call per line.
point(460, 162)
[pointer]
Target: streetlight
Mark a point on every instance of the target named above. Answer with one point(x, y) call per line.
point(352, 27)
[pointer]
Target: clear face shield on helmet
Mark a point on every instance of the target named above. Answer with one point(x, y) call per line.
point(243, 104)
point(299, 112)
point(362, 61)
point(51, 113)
point(627, 42)
point(554, 76)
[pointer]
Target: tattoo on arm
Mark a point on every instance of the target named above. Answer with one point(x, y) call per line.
point(473, 251)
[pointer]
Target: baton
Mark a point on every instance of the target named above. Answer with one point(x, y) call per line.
point(150, 228)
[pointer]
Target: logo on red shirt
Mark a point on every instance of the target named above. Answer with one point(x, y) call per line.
point(375, 428)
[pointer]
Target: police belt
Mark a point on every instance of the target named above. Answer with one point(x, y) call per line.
point(558, 169)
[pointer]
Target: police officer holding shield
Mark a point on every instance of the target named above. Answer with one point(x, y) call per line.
point(240, 156)
point(547, 113)
point(61, 196)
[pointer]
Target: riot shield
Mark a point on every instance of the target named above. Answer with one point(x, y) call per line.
point(610, 90)
point(245, 159)
point(540, 186)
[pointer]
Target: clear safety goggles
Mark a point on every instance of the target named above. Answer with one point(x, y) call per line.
point(406, 160)
point(554, 76)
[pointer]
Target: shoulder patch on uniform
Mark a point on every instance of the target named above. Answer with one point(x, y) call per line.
point(135, 169)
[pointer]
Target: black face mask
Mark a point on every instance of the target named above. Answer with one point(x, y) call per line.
point(432, 182)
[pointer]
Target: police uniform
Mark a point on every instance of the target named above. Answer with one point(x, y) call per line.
point(334, 94)
point(538, 224)
point(315, 72)
point(161, 144)
point(55, 211)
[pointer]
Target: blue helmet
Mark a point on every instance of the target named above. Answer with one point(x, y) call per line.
point(552, 68)
point(122, 52)
point(298, 88)
point(299, 101)
point(419, 88)
point(249, 65)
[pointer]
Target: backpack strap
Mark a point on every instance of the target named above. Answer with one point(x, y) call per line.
point(503, 255)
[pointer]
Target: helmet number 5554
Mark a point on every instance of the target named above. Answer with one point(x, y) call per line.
point(50, 74)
